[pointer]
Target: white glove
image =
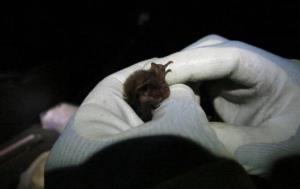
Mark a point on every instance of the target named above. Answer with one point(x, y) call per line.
point(258, 98)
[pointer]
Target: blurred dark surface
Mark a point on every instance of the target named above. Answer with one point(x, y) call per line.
point(22, 153)
point(153, 162)
point(53, 52)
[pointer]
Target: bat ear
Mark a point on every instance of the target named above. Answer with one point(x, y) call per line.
point(153, 65)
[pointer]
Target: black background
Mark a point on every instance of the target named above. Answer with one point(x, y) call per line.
point(53, 52)
point(91, 33)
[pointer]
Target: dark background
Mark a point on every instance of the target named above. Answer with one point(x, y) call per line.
point(54, 52)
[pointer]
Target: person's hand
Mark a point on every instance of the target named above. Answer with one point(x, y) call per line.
point(255, 93)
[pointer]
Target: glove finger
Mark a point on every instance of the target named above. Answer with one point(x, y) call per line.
point(256, 148)
point(208, 40)
point(203, 63)
point(234, 60)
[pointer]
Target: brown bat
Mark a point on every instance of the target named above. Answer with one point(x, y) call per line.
point(144, 90)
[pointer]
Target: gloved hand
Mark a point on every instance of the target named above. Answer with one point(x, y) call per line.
point(258, 102)
point(256, 93)
point(105, 118)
